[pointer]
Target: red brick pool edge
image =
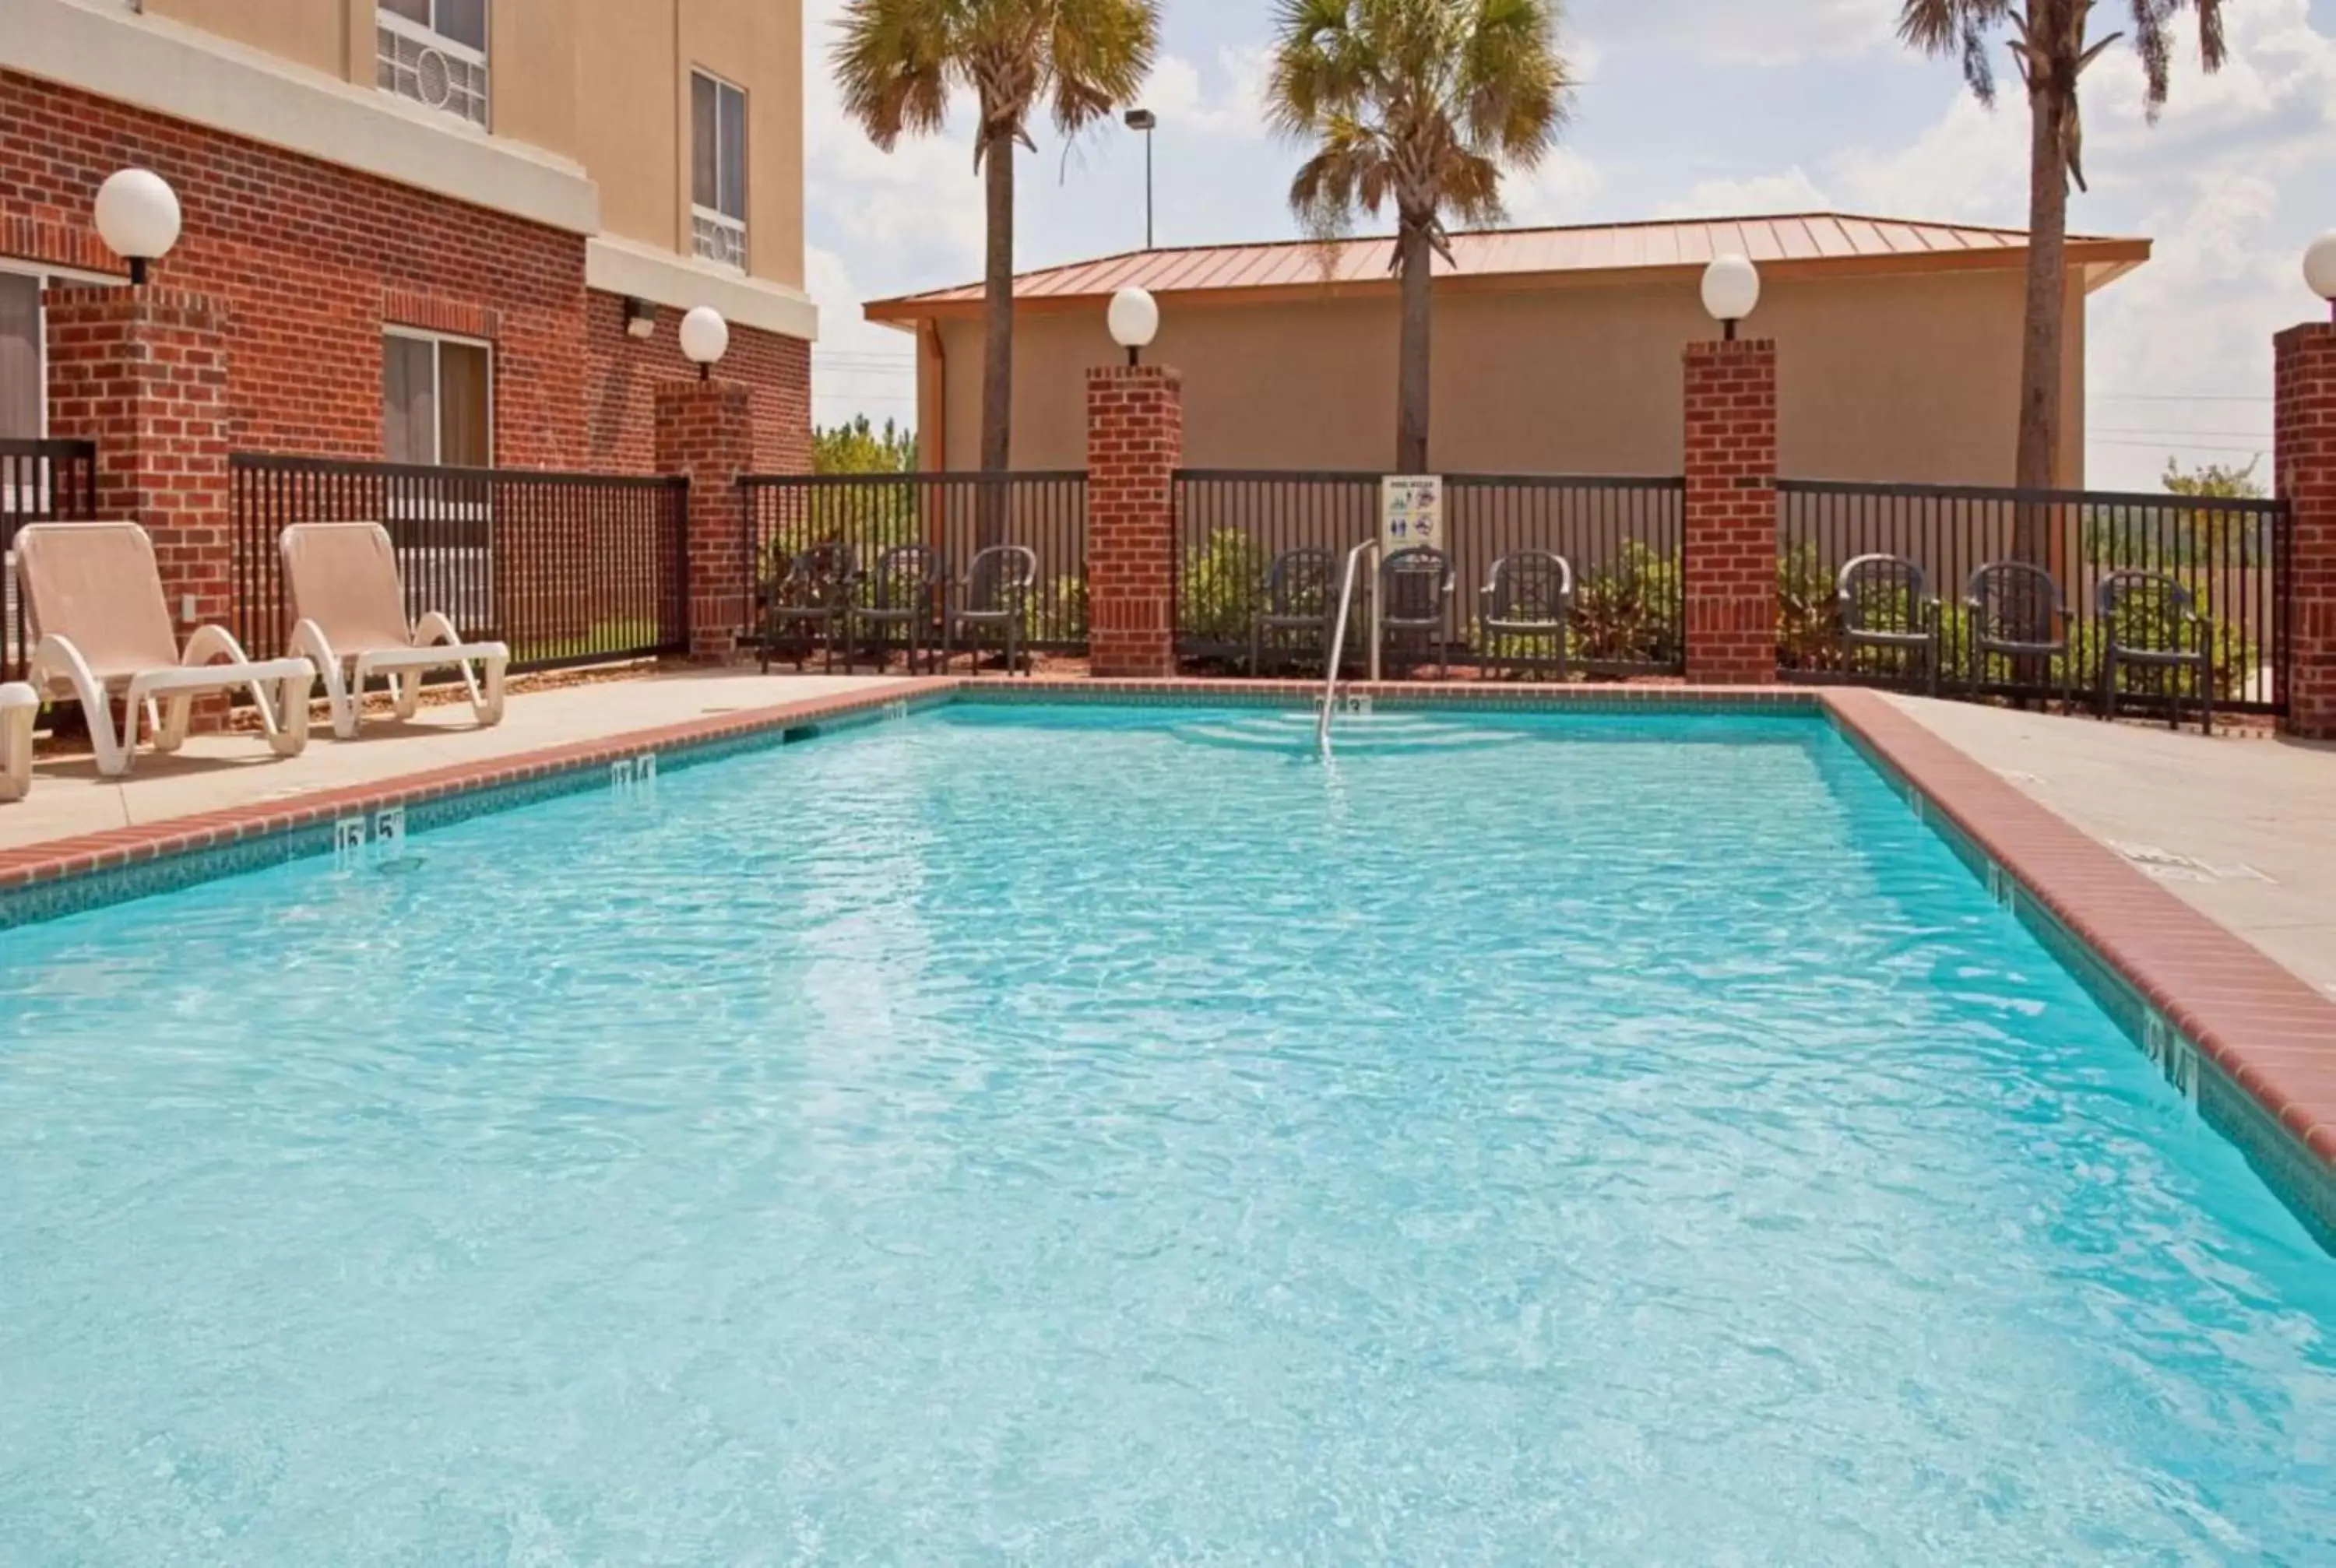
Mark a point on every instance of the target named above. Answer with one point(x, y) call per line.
point(2265, 1029)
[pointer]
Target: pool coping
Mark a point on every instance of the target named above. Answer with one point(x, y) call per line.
point(2185, 988)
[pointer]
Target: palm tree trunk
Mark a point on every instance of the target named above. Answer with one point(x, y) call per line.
point(996, 340)
point(2038, 465)
point(1414, 259)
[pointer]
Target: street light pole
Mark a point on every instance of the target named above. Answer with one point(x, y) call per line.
point(1143, 120)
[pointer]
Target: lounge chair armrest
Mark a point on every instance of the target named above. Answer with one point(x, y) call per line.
point(434, 628)
point(213, 644)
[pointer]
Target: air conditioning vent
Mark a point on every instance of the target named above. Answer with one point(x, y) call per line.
point(435, 81)
point(429, 70)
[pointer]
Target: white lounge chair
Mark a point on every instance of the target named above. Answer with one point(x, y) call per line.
point(101, 629)
point(19, 704)
point(350, 613)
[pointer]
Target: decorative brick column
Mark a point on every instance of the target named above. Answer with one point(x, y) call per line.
point(1136, 439)
point(1728, 565)
point(2303, 460)
point(705, 433)
point(143, 372)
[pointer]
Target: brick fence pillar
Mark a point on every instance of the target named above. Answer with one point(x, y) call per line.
point(2304, 459)
point(142, 373)
point(1136, 439)
point(1729, 552)
point(705, 433)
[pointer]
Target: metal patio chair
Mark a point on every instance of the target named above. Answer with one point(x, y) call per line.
point(2151, 620)
point(812, 598)
point(993, 596)
point(1528, 599)
point(1416, 602)
point(902, 593)
point(1299, 595)
point(1885, 601)
point(2014, 609)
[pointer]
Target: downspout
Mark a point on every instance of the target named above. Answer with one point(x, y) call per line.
point(932, 433)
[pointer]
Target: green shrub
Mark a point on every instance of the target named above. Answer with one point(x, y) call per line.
point(1628, 613)
point(1220, 587)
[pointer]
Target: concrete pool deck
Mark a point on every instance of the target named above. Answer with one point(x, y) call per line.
point(217, 773)
point(2242, 828)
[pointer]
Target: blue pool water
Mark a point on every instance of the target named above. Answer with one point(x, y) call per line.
point(1085, 1135)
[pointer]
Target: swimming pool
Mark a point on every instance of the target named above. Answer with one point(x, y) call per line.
point(1066, 1134)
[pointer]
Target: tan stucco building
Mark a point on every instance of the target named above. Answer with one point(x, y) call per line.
point(1556, 350)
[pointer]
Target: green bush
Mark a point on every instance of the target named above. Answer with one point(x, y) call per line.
point(1220, 587)
point(1628, 613)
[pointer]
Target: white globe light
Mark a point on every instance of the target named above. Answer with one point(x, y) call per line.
point(2320, 266)
point(1134, 318)
point(705, 336)
point(1731, 288)
point(138, 216)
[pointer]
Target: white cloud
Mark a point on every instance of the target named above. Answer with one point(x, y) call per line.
point(1790, 192)
point(1765, 32)
point(1558, 191)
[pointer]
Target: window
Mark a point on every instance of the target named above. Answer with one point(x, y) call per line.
point(23, 400)
point(433, 52)
point(436, 401)
point(717, 170)
point(24, 360)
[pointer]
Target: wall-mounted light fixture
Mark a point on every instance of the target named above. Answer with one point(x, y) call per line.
point(641, 318)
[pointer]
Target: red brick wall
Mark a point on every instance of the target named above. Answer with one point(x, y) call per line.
point(2304, 449)
point(623, 373)
point(309, 261)
point(145, 374)
point(1136, 439)
point(1729, 566)
point(705, 431)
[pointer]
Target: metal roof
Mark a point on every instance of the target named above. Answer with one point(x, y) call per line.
point(1797, 242)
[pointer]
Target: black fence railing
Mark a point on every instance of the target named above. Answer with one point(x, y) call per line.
point(2232, 557)
point(40, 481)
point(569, 569)
point(957, 514)
point(1621, 536)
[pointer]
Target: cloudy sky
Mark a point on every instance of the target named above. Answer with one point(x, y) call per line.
point(1689, 106)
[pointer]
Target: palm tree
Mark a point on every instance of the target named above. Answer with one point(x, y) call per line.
point(1421, 104)
point(898, 62)
point(2047, 46)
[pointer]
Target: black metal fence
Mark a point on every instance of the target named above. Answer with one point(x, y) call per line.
point(2231, 555)
point(1622, 536)
point(40, 481)
point(569, 569)
point(958, 514)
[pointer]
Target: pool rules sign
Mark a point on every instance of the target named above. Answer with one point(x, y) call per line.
point(1411, 512)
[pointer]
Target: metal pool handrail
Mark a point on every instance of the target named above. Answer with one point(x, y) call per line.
point(1338, 646)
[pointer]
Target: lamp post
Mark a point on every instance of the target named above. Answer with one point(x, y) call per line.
point(1731, 291)
point(2320, 269)
point(704, 339)
point(1143, 120)
point(1134, 320)
point(138, 218)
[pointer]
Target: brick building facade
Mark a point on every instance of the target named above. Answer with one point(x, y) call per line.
point(311, 263)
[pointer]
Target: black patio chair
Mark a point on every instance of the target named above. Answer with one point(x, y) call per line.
point(992, 596)
point(1529, 599)
point(1885, 601)
point(2013, 608)
point(1416, 602)
point(813, 598)
point(1298, 603)
point(902, 596)
point(2151, 620)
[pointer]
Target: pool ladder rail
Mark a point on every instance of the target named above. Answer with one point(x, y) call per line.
point(1369, 547)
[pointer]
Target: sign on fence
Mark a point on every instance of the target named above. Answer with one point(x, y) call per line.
point(1411, 512)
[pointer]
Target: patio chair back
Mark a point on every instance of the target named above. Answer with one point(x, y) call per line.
point(997, 578)
point(1530, 588)
point(343, 576)
point(96, 584)
point(1885, 595)
point(2014, 604)
point(904, 575)
point(2146, 611)
point(1302, 583)
point(1414, 585)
